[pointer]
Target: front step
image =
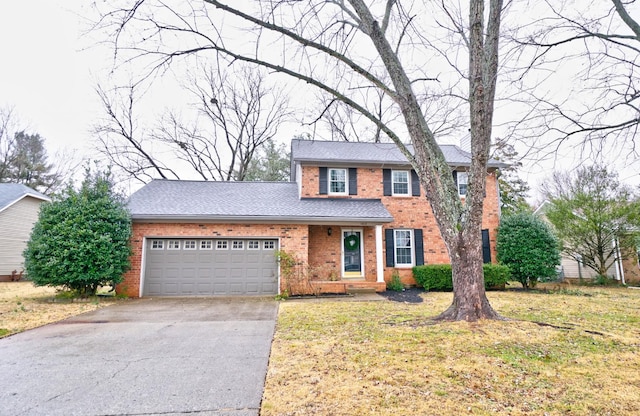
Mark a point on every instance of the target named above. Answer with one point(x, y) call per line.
point(359, 289)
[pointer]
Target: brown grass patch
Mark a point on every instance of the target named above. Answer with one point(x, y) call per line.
point(386, 358)
point(24, 306)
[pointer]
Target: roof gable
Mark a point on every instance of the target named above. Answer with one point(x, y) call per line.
point(10, 193)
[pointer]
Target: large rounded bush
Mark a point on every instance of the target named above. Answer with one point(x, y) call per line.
point(528, 246)
point(81, 239)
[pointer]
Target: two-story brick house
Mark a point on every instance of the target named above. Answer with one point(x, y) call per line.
point(352, 214)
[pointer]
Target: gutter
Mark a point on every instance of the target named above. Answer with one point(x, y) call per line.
point(261, 219)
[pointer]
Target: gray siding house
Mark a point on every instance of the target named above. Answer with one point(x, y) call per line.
point(19, 208)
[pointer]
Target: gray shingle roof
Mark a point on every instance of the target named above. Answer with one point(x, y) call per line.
point(254, 201)
point(369, 153)
point(12, 192)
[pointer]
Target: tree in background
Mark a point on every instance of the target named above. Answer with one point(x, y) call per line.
point(596, 217)
point(81, 239)
point(527, 245)
point(595, 46)
point(23, 158)
point(342, 48)
point(271, 163)
point(513, 189)
point(236, 114)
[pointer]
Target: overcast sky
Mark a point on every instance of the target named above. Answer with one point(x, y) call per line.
point(48, 75)
point(44, 74)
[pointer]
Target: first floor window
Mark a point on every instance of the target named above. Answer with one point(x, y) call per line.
point(237, 245)
point(206, 245)
point(254, 245)
point(174, 245)
point(222, 245)
point(190, 245)
point(403, 247)
point(157, 245)
point(269, 245)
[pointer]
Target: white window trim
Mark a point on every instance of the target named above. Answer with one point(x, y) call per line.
point(412, 249)
point(240, 245)
point(346, 181)
point(160, 244)
point(222, 242)
point(203, 245)
point(459, 176)
point(170, 242)
point(393, 189)
point(186, 247)
point(255, 242)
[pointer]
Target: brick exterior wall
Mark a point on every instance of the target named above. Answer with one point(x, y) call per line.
point(293, 239)
point(318, 254)
point(407, 211)
point(325, 252)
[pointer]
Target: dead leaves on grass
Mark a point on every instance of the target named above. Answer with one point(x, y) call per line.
point(24, 306)
point(388, 358)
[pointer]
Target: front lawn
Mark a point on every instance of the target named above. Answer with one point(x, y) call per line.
point(574, 350)
point(24, 306)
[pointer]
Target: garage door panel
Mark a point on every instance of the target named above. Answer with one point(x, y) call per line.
point(205, 267)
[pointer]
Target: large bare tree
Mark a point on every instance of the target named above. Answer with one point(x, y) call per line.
point(236, 114)
point(343, 47)
point(584, 57)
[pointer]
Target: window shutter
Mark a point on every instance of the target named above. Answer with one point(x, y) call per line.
point(415, 183)
point(386, 182)
point(419, 246)
point(389, 246)
point(353, 181)
point(486, 247)
point(323, 181)
point(455, 178)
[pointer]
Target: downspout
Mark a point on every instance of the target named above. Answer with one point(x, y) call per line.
point(619, 269)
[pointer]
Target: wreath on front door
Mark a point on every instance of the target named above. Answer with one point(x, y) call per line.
point(351, 242)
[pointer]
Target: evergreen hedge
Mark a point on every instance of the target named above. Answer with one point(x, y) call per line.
point(438, 277)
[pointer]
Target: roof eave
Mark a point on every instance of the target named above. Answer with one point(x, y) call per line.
point(256, 219)
point(21, 197)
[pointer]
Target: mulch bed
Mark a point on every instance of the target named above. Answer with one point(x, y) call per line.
point(408, 295)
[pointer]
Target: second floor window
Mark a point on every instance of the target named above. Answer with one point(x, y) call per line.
point(463, 182)
point(400, 182)
point(338, 181)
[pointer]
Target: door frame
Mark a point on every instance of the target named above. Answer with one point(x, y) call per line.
point(344, 273)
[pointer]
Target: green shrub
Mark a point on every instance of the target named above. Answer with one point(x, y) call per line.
point(496, 275)
point(439, 276)
point(81, 239)
point(527, 245)
point(395, 284)
point(434, 277)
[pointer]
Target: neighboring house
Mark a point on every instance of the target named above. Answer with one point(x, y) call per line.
point(19, 208)
point(625, 270)
point(352, 215)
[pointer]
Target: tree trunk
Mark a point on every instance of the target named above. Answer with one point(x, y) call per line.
point(470, 302)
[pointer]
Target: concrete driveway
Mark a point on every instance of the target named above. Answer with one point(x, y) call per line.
point(143, 357)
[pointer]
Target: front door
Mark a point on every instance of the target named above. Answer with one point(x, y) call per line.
point(352, 253)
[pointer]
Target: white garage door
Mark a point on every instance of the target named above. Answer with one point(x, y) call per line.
point(210, 267)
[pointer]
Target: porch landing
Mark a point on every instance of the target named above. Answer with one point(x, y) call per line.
point(348, 286)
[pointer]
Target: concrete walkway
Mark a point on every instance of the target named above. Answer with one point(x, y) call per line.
point(143, 357)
